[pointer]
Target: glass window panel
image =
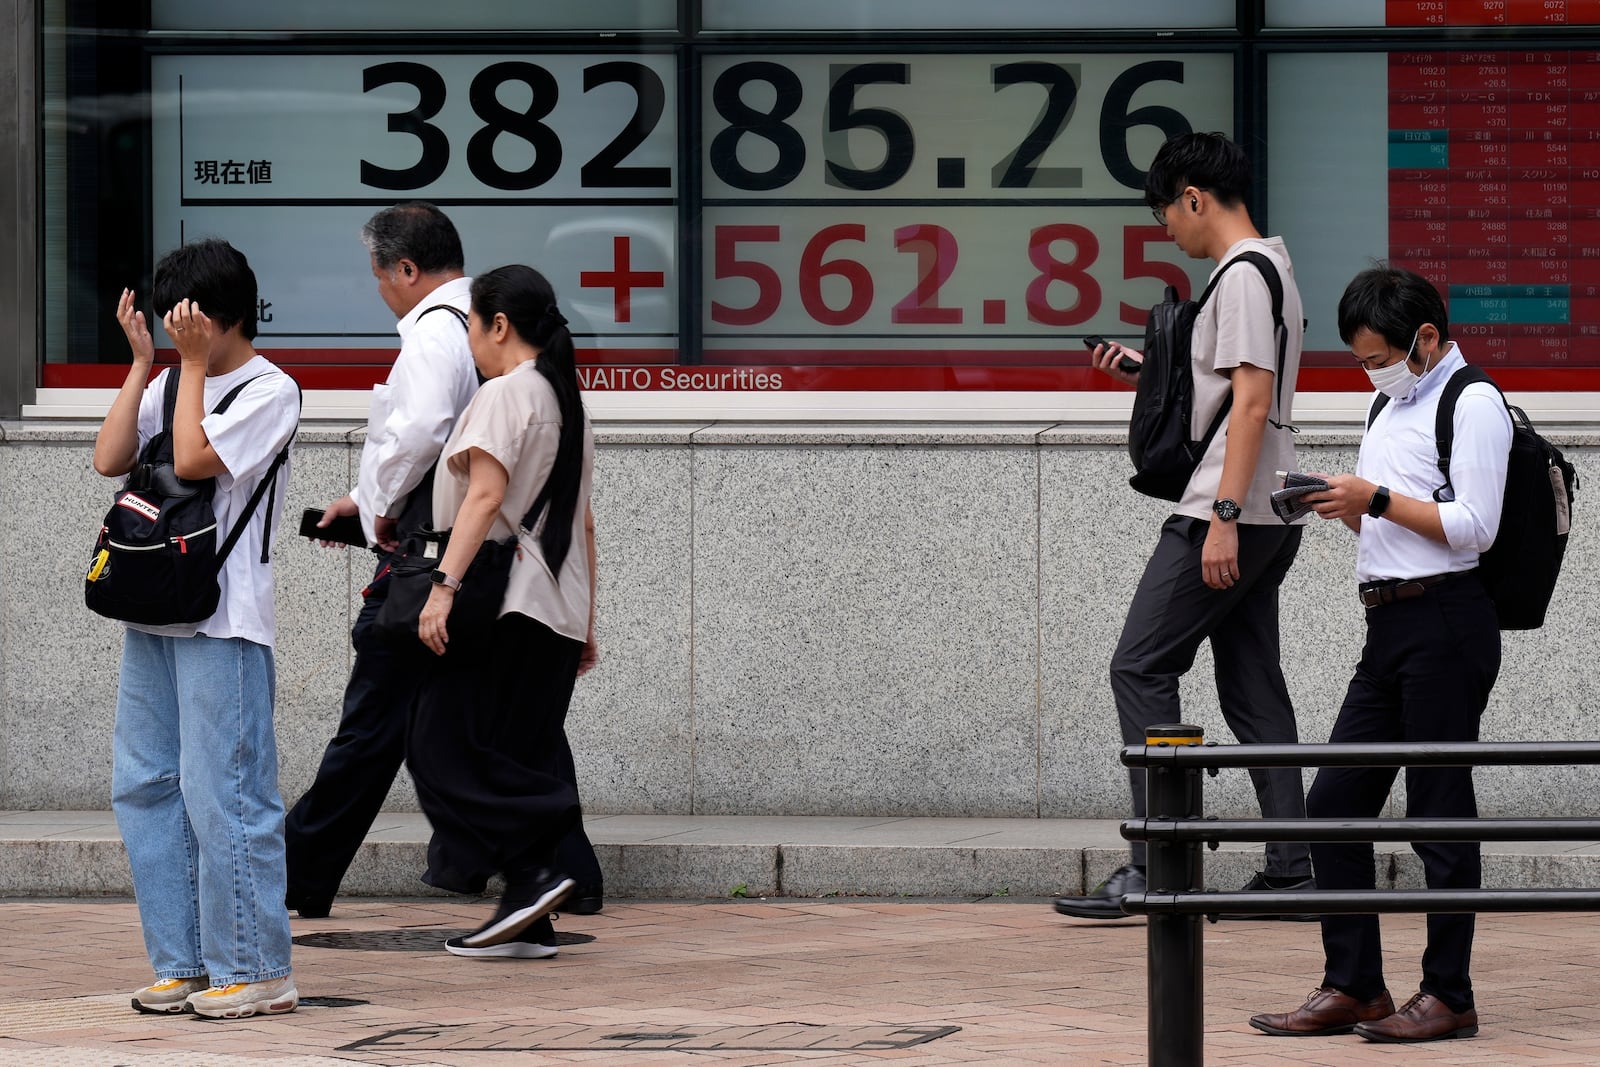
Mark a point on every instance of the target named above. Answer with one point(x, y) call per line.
point(308, 16)
point(1479, 170)
point(964, 14)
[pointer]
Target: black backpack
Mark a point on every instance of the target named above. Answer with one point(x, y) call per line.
point(156, 560)
point(1521, 567)
point(1164, 456)
point(416, 514)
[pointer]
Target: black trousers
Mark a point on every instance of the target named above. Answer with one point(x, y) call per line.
point(1173, 610)
point(1425, 675)
point(486, 755)
point(326, 827)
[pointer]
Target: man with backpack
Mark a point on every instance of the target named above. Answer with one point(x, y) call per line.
point(1432, 649)
point(418, 262)
point(1223, 553)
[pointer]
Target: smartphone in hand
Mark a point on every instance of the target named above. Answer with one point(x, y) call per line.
point(1126, 365)
point(344, 530)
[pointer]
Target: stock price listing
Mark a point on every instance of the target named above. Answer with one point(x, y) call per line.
point(940, 208)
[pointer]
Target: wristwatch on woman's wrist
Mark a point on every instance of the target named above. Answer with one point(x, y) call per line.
point(441, 578)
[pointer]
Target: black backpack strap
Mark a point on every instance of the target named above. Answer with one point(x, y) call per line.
point(1269, 274)
point(1444, 421)
point(268, 486)
point(169, 399)
point(457, 312)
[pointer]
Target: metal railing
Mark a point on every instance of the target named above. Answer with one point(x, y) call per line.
point(1175, 831)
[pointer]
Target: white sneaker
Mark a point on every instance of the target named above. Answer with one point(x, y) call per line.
point(168, 995)
point(274, 997)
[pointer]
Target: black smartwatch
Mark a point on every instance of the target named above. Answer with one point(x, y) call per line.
point(1379, 502)
point(1227, 510)
point(441, 578)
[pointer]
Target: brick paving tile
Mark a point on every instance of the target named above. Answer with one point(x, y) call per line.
point(662, 983)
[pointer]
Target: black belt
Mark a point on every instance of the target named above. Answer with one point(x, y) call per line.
point(1373, 594)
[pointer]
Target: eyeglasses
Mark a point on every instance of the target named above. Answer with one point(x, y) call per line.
point(1160, 212)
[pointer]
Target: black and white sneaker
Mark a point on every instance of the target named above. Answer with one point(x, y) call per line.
point(523, 903)
point(537, 942)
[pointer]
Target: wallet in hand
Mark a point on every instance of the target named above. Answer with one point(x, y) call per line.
point(1289, 502)
point(344, 530)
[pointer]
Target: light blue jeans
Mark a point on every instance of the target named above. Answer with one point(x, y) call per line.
point(194, 784)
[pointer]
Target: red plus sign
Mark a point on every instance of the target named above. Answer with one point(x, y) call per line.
point(622, 279)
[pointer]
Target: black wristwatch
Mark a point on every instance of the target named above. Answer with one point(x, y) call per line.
point(1227, 510)
point(441, 578)
point(1379, 502)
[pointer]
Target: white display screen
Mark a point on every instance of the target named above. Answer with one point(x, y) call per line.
point(565, 161)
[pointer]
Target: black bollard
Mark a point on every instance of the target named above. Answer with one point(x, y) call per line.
point(1176, 976)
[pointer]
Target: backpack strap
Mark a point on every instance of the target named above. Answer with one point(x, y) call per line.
point(457, 312)
point(268, 486)
point(1269, 274)
point(462, 317)
point(1444, 419)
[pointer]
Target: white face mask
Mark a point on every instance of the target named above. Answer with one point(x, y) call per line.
point(1397, 379)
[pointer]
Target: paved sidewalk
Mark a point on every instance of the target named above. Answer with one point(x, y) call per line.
point(828, 982)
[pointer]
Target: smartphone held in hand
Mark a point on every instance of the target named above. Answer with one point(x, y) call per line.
point(344, 529)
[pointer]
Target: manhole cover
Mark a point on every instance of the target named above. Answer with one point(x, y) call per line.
point(427, 940)
point(774, 1037)
point(332, 1002)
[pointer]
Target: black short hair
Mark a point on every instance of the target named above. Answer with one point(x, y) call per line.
point(418, 231)
point(213, 274)
point(1206, 161)
point(1392, 302)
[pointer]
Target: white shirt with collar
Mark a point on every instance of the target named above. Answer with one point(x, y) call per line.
point(1399, 451)
point(413, 412)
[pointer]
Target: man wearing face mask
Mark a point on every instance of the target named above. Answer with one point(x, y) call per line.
point(1431, 655)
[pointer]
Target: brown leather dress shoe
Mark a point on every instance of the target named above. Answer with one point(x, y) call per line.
point(1325, 1012)
point(1424, 1018)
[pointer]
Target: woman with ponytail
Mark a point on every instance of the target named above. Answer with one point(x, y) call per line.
point(487, 740)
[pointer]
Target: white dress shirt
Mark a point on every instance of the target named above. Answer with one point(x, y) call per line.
point(1399, 451)
point(413, 412)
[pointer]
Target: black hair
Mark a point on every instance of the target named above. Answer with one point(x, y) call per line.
point(526, 299)
point(1206, 161)
point(213, 274)
point(1392, 302)
point(417, 231)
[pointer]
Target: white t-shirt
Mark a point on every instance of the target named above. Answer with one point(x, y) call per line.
point(516, 419)
point(1236, 327)
point(260, 422)
point(413, 412)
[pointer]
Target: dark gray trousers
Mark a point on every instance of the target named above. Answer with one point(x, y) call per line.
point(1173, 610)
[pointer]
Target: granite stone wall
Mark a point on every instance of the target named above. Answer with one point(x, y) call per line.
point(794, 619)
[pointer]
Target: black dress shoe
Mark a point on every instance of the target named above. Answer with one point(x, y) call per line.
point(1105, 901)
point(585, 900)
point(1269, 883)
point(308, 905)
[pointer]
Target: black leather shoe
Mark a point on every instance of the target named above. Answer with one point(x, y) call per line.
point(309, 906)
point(585, 900)
point(1105, 900)
point(1261, 882)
